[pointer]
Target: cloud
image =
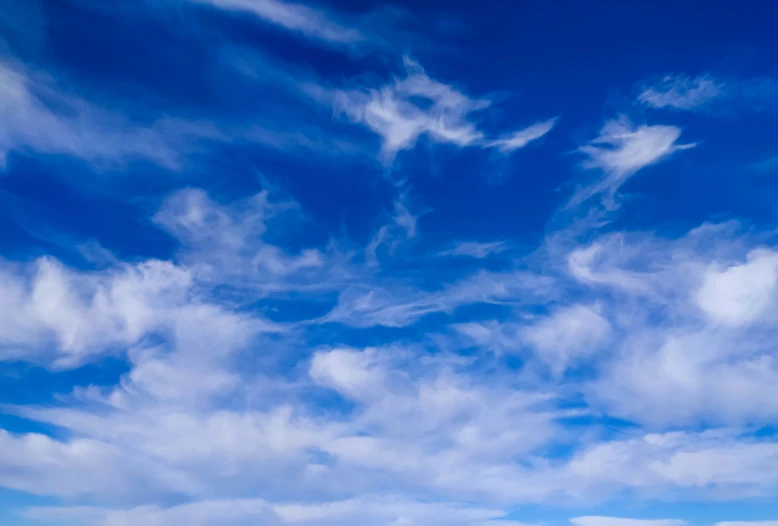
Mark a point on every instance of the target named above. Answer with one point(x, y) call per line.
point(475, 249)
point(711, 94)
point(407, 108)
point(616, 521)
point(39, 118)
point(739, 294)
point(295, 17)
point(415, 106)
point(569, 334)
point(521, 138)
point(225, 244)
point(623, 149)
point(681, 92)
point(368, 511)
point(398, 304)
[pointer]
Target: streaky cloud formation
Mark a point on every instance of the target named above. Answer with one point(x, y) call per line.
point(709, 93)
point(273, 279)
point(521, 138)
point(406, 109)
point(295, 17)
point(475, 249)
point(616, 521)
point(682, 92)
point(80, 129)
point(620, 151)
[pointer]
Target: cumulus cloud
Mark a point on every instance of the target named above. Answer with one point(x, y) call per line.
point(739, 294)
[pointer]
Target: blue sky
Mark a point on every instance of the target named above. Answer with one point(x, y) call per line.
point(431, 264)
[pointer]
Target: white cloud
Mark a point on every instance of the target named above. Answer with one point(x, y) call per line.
point(681, 92)
point(368, 511)
point(521, 138)
point(295, 17)
point(617, 521)
point(475, 249)
point(402, 228)
point(621, 150)
point(739, 294)
point(86, 313)
point(407, 108)
point(567, 335)
point(83, 130)
point(399, 304)
point(224, 243)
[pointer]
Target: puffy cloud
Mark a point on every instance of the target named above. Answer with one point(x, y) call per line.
point(739, 294)
point(569, 334)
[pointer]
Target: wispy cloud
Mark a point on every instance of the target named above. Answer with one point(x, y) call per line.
point(711, 94)
point(621, 150)
point(80, 129)
point(682, 92)
point(415, 106)
point(616, 521)
point(521, 138)
point(295, 17)
point(475, 249)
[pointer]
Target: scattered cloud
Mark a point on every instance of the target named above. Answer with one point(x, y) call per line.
point(682, 92)
point(521, 138)
point(616, 521)
point(623, 149)
point(263, 367)
point(475, 249)
point(710, 94)
point(295, 17)
point(39, 118)
point(415, 106)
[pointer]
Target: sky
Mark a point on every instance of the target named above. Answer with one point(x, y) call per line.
point(430, 263)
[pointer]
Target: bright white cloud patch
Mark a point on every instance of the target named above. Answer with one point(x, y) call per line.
point(740, 294)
